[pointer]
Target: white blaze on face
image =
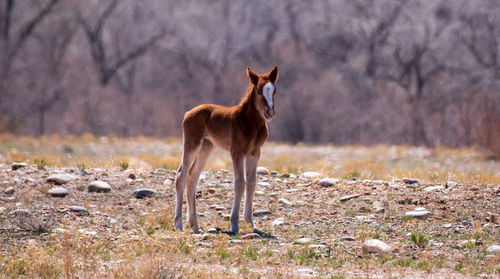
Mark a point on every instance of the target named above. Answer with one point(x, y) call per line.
point(268, 91)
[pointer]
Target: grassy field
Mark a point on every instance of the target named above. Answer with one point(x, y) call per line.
point(308, 230)
point(364, 162)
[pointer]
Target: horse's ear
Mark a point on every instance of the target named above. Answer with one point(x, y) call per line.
point(273, 74)
point(254, 77)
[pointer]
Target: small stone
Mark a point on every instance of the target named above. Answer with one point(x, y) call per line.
point(113, 221)
point(168, 181)
point(451, 183)
point(468, 242)
point(143, 193)
point(274, 173)
point(284, 201)
point(214, 230)
point(493, 249)
point(60, 179)
point(311, 174)
point(234, 241)
point(250, 236)
point(434, 244)
point(226, 217)
point(16, 166)
point(410, 180)
point(303, 240)
point(264, 184)
point(58, 192)
point(21, 212)
point(77, 208)
point(375, 246)
point(328, 182)
point(418, 213)
point(261, 212)
point(309, 272)
point(348, 197)
point(434, 188)
point(99, 187)
point(217, 207)
point(447, 226)
point(262, 171)
point(347, 238)
point(378, 207)
point(9, 191)
point(278, 222)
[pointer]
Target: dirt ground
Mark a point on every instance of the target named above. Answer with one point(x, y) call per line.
point(306, 228)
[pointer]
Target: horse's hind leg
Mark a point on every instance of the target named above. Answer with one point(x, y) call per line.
point(191, 150)
point(194, 174)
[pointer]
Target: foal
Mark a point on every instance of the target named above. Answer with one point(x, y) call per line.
point(241, 130)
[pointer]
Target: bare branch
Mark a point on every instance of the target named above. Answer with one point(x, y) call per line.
point(30, 26)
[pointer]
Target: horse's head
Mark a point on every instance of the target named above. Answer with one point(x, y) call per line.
point(265, 87)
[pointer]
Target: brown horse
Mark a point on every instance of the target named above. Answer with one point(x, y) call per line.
point(241, 130)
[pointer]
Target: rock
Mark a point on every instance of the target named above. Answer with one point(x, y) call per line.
point(410, 180)
point(434, 188)
point(274, 173)
point(328, 182)
point(250, 236)
point(447, 226)
point(113, 221)
point(348, 197)
point(234, 241)
point(99, 187)
point(16, 166)
point(214, 230)
point(2, 209)
point(469, 242)
point(378, 207)
point(143, 193)
point(278, 222)
point(168, 181)
point(375, 246)
point(493, 249)
point(9, 191)
point(451, 184)
point(20, 212)
point(418, 213)
point(435, 244)
point(226, 217)
point(311, 174)
point(347, 238)
point(58, 192)
point(77, 208)
point(262, 171)
point(261, 212)
point(60, 179)
point(217, 207)
point(284, 201)
point(264, 184)
point(306, 272)
point(303, 240)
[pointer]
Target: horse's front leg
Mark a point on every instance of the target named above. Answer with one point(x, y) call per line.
point(251, 178)
point(239, 187)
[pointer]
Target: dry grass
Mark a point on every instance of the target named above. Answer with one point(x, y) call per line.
point(437, 165)
point(143, 244)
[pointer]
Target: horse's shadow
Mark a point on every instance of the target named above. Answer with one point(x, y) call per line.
point(262, 234)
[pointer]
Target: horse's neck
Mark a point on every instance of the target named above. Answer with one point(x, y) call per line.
point(247, 106)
